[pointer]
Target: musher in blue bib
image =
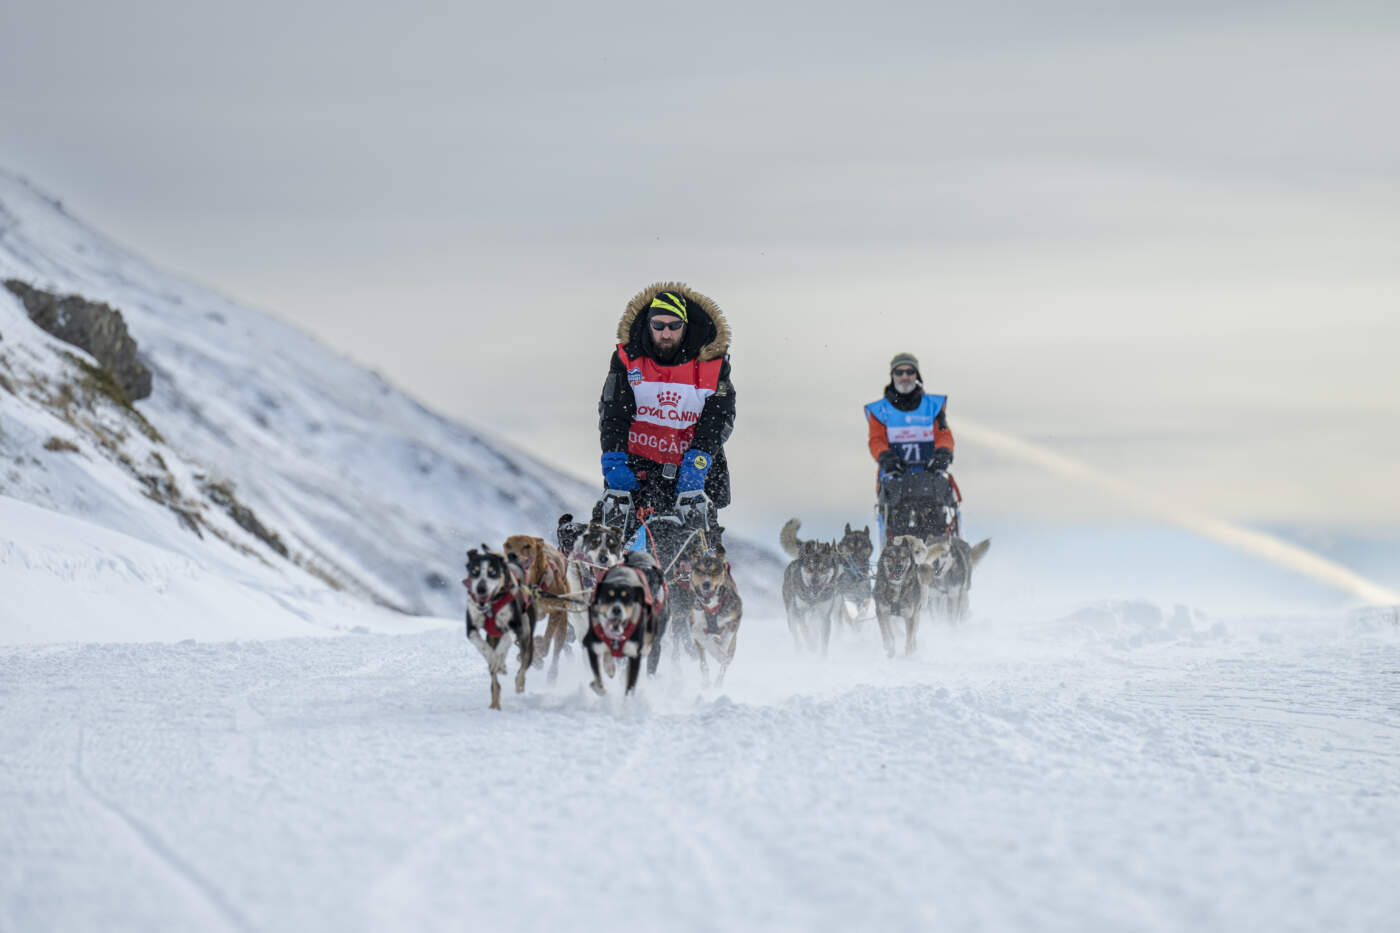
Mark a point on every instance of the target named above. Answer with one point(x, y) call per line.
point(909, 435)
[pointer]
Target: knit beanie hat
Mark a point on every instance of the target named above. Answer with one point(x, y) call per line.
point(672, 303)
point(906, 359)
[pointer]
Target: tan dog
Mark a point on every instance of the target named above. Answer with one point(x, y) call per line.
point(545, 572)
point(715, 612)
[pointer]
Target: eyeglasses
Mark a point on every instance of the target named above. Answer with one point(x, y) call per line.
point(903, 372)
point(667, 325)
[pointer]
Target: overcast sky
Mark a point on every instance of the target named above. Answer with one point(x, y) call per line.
point(1164, 239)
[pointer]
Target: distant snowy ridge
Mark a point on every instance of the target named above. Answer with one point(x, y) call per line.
point(258, 447)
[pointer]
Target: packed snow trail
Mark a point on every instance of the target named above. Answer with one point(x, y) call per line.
point(1118, 770)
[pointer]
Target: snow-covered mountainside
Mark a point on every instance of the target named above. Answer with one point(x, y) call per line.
point(259, 450)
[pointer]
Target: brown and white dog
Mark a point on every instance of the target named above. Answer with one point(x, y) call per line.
point(627, 610)
point(499, 614)
point(544, 572)
point(899, 589)
point(715, 612)
point(809, 588)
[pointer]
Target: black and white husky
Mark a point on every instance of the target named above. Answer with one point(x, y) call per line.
point(499, 614)
point(628, 610)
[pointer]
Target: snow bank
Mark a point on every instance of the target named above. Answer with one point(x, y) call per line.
point(65, 579)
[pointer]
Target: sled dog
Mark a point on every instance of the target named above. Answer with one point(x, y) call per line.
point(715, 612)
point(627, 610)
point(567, 532)
point(899, 589)
point(596, 548)
point(853, 554)
point(809, 588)
point(682, 594)
point(947, 574)
point(499, 614)
point(544, 572)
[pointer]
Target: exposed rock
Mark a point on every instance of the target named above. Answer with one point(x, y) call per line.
point(95, 327)
point(222, 495)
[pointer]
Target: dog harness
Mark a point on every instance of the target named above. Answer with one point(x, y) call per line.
point(587, 574)
point(616, 638)
point(827, 589)
point(490, 610)
point(557, 571)
point(669, 401)
point(712, 614)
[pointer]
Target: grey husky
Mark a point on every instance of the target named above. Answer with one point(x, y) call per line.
point(809, 588)
point(899, 589)
point(853, 553)
point(947, 574)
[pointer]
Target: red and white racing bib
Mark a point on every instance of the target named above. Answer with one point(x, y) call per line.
point(669, 402)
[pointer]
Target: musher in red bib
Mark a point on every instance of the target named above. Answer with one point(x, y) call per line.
point(668, 403)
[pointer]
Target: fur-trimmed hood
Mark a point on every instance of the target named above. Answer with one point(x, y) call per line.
point(706, 335)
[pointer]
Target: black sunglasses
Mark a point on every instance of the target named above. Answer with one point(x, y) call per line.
point(667, 325)
point(902, 372)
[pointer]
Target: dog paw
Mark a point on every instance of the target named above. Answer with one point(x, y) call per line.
point(598, 687)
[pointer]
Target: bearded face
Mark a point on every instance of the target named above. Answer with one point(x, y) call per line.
point(666, 337)
point(905, 384)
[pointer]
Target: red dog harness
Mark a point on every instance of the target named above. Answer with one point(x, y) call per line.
point(616, 641)
point(507, 596)
point(712, 614)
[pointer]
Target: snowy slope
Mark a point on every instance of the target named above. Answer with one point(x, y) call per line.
point(363, 486)
point(68, 580)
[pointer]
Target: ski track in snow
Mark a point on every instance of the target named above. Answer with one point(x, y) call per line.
point(1130, 775)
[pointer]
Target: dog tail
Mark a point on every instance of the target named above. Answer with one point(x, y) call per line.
point(788, 536)
point(979, 551)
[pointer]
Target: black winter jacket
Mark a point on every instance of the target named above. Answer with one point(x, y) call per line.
point(706, 338)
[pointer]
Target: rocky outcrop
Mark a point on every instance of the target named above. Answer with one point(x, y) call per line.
point(95, 327)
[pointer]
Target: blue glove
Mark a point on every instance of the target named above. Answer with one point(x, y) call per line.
point(694, 467)
point(616, 473)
